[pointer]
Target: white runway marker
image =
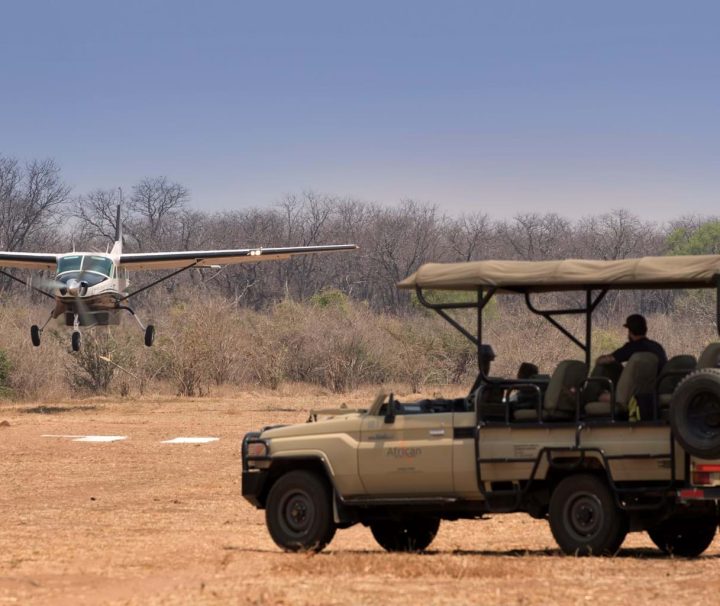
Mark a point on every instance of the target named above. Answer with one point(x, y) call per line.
point(190, 440)
point(100, 439)
point(52, 435)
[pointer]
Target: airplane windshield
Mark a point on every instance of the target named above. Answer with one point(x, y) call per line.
point(102, 265)
point(69, 263)
point(89, 263)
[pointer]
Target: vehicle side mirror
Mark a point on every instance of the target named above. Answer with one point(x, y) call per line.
point(390, 413)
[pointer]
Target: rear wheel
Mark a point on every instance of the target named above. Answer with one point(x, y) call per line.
point(298, 513)
point(685, 537)
point(409, 534)
point(75, 341)
point(584, 518)
point(35, 335)
point(149, 335)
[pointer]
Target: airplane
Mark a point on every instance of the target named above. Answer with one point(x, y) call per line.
point(92, 289)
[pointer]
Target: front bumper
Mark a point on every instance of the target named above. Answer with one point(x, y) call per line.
point(254, 479)
point(253, 486)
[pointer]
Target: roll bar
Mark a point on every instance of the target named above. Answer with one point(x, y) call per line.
point(483, 298)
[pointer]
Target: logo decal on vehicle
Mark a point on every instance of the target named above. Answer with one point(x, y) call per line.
point(403, 452)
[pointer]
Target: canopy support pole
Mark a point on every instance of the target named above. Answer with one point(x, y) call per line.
point(587, 310)
point(440, 308)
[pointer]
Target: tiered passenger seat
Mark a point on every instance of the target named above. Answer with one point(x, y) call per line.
point(560, 397)
point(638, 377)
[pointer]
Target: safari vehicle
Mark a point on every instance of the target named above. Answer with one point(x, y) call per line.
point(587, 464)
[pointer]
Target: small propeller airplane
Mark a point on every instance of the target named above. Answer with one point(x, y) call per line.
point(92, 289)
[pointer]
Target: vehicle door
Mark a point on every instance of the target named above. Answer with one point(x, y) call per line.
point(409, 456)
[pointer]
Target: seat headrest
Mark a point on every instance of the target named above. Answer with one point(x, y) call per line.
point(568, 374)
point(638, 376)
point(710, 357)
point(670, 372)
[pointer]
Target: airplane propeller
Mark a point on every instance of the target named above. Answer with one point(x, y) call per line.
point(77, 289)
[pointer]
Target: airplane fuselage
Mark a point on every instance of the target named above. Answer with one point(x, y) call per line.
point(88, 288)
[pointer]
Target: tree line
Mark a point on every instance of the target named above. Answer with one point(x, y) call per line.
point(40, 211)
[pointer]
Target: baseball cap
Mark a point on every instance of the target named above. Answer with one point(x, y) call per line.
point(636, 324)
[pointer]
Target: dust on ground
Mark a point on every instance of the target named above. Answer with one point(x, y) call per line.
point(141, 522)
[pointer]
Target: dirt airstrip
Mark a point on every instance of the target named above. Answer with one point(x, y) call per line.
point(137, 521)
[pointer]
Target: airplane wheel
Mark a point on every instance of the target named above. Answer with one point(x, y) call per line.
point(75, 341)
point(35, 335)
point(149, 335)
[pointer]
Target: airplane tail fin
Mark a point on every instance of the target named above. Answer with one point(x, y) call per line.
point(117, 247)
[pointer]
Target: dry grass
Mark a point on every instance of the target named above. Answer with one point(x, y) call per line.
point(209, 347)
point(139, 522)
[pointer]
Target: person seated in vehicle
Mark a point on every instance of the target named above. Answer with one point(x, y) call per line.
point(524, 397)
point(638, 342)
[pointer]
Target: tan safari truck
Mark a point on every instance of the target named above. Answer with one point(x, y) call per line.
point(597, 454)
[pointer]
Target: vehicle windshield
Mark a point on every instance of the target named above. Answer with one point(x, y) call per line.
point(88, 263)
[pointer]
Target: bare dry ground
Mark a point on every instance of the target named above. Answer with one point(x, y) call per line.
point(140, 522)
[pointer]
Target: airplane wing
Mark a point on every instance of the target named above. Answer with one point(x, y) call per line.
point(203, 258)
point(27, 260)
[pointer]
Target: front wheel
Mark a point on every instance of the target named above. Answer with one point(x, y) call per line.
point(685, 537)
point(409, 534)
point(35, 335)
point(75, 341)
point(298, 513)
point(584, 517)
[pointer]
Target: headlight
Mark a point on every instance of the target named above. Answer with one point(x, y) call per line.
point(257, 449)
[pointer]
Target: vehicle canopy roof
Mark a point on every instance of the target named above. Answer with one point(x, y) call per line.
point(691, 271)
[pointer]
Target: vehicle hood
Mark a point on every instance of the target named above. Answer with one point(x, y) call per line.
point(347, 422)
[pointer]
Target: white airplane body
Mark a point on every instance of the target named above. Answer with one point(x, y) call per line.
point(91, 289)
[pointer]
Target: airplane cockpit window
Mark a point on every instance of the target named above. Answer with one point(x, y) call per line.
point(91, 269)
point(69, 263)
point(101, 265)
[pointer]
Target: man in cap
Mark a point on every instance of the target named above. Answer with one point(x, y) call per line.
point(637, 342)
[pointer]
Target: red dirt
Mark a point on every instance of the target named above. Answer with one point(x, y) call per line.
point(140, 522)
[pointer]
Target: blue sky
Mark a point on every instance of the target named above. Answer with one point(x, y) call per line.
point(505, 107)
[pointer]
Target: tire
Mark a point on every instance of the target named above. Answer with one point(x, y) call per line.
point(35, 335)
point(299, 513)
point(584, 518)
point(75, 341)
point(685, 537)
point(149, 335)
point(408, 534)
point(695, 413)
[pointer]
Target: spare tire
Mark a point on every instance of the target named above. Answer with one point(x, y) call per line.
point(695, 413)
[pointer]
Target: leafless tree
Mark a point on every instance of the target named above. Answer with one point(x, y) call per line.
point(96, 215)
point(32, 199)
point(155, 203)
point(470, 237)
point(534, 236)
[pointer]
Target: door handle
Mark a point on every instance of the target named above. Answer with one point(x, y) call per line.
point(437, 432)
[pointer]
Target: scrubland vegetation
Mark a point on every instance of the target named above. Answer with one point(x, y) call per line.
point(210, 346)
point(336, 321)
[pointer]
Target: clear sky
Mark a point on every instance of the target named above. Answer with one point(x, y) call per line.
point(504, 106)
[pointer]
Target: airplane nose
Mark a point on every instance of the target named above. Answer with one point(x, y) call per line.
point(73, 287)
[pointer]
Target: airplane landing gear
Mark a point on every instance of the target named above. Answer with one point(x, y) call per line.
point(149, 329)
point(75, 340)
point(149, 335)
point(36, 331)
